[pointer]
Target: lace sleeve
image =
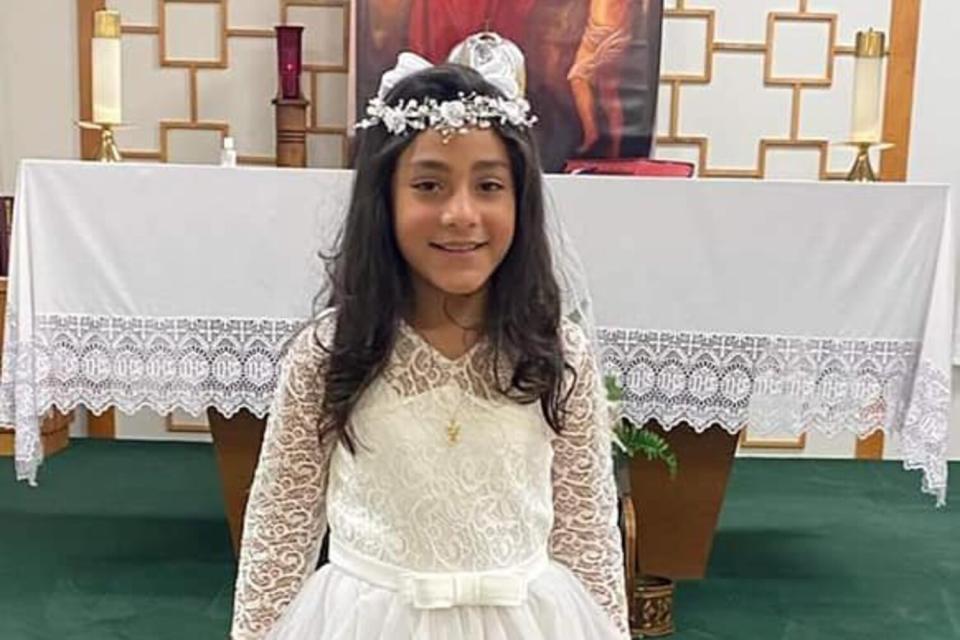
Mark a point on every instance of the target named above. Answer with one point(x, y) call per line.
point(285, 517)
point(585, 535)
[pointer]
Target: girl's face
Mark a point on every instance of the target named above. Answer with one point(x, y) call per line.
point(454, 210)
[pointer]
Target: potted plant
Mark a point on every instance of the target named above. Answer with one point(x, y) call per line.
point(650, 597)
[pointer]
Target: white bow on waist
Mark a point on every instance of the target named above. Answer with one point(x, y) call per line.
point(445, 590)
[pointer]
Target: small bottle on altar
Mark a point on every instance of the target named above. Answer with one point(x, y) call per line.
point(228, 154)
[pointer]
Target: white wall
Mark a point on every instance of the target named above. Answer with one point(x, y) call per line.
point(6, 156)
point(935, 143)
point(38, 83)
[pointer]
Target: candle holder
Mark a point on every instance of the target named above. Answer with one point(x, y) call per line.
point(289, 61)
point(108, 150)
point(862, 169)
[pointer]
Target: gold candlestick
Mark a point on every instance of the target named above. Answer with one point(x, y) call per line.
point(862, 169)
point(108, 145)
point(108, 151)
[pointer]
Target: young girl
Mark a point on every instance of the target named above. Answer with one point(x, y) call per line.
point(441, 416)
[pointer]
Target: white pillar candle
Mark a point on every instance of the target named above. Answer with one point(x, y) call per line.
point(867, 82)
point(105, 61)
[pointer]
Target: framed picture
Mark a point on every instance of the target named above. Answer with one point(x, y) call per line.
point(595, 63)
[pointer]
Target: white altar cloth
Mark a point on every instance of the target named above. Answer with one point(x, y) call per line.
point(783, 305)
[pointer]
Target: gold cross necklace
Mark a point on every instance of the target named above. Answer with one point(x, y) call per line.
point(453, 426)
point(453, 431)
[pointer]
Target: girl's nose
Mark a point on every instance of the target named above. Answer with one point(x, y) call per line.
point(461, 210)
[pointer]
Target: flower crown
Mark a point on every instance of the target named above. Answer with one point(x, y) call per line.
point(453, 116)
point(448, 117)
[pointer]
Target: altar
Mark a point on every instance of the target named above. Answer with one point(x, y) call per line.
point(785, 306)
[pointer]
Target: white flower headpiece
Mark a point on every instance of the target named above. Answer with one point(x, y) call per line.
point(449, 116)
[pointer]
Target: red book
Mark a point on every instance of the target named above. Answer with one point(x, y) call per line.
point(630, 167)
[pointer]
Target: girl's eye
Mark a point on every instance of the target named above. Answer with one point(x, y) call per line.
point(427, 186)
point(491, 185)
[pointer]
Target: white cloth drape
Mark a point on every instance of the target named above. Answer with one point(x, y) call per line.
point(789, 306)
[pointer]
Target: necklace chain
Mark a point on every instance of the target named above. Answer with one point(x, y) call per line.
point(452, 428)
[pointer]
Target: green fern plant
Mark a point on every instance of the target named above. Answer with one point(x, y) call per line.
point(632, 440)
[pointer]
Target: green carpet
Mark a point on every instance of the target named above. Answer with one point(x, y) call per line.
point(128, 540)
point(120, 540)
point(828, 549)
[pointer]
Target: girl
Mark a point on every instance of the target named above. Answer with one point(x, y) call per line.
point(441, 416)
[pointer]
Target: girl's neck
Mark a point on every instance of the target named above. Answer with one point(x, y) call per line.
point(450, 323)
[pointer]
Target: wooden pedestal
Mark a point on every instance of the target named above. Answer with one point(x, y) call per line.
point(291, 121)
point(677, 517)
point(237, 443)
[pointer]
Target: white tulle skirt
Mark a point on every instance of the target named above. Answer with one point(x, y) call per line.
point(335, 605)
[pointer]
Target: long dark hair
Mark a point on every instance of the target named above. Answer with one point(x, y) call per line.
point(369, 280)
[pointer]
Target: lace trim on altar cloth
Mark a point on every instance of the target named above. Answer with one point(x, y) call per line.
point(161, 364)
point(924, 434)
point(772, 383)
point(786, 384)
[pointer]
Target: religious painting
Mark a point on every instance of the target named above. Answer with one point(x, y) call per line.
point(592, 66)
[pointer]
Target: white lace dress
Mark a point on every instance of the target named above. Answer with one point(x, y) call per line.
point(495, 529)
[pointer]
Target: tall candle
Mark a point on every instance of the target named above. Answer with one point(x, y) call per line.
point(105, 61)
point(867, 81)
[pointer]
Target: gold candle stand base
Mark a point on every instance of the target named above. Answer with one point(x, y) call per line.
point(108, 151)
point(862, 169)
